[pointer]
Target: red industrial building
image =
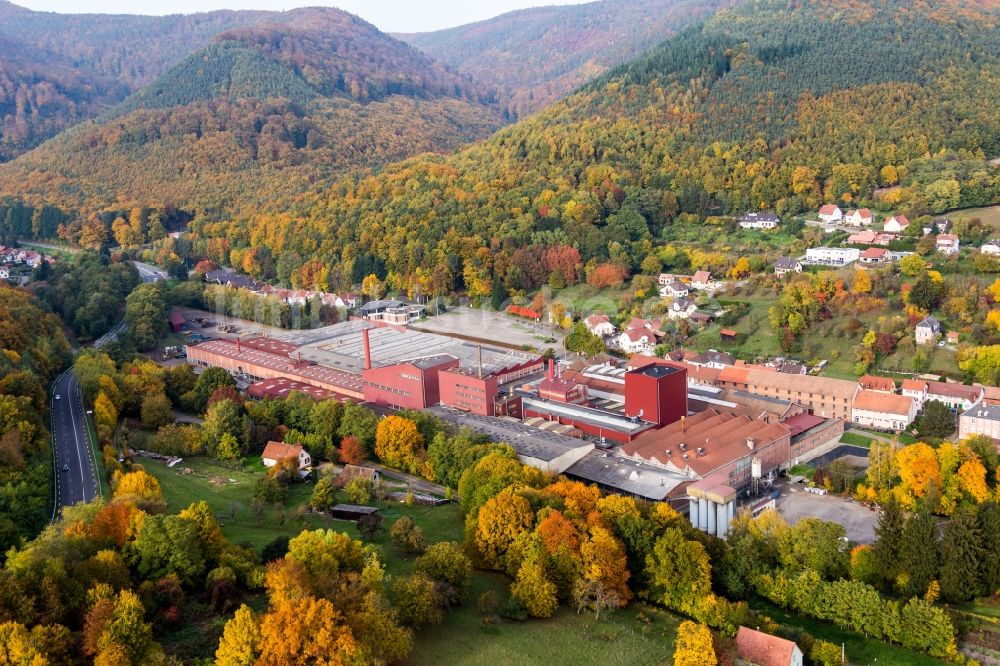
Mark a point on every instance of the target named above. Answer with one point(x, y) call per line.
point(468, 391)
point(657, 393)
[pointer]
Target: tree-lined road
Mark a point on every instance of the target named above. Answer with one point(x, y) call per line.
point(76, 477)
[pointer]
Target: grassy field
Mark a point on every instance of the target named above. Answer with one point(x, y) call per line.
point(637, 635)
point(228, 493)
point(989, 215)
point(858, 649)
point(586, 300)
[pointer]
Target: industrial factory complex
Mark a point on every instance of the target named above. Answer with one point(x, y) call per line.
point(651, 429)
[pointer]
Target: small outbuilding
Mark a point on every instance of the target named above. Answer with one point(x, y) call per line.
point(352, 511)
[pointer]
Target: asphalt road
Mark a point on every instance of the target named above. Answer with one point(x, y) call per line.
point(76, 478)
point(149, 273)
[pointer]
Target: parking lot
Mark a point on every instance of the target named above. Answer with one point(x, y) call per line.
point(858, 520)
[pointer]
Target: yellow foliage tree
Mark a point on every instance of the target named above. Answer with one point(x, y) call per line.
point(919, 470)
point(140, 488)
point(240, 638)
point(398, 443)
point(693, 646)
point(305, 631)
point(501, 520)
point(862, 282)
point(605, 561)
point(105, 416)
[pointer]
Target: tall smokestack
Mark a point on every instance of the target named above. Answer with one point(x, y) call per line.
point(368, 349)
point(552, 369)
point(239, 348)
point(479, 352)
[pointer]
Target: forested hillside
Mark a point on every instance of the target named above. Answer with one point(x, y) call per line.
point(771, 105)
point(535, 56)
point(41, 94)
point(32, 351)
point(260, 113)
point(57, 70)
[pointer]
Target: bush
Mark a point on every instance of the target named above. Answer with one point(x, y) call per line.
point(407, 536)
point(359, 491)
point(825, 653)
point(513, 609)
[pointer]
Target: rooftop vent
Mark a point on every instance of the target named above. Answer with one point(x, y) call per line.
point(750, 443)
point(685, 456)
point(701, 451)
point(683, 446)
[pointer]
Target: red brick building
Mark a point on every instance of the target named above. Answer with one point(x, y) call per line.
point(468, 391)
point(409, 385)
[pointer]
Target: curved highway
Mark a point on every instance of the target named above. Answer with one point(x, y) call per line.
point(76, 477)
point(75, 468)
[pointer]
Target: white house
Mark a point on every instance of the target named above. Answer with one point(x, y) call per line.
point(896, 224)
point(784, 265)
point(982, 418)
point(832, 256)
point(760, 221)
point(859, 217)
point(637, 340)
point(927, 331)
point(831, 213)
point(674, 289)
point(599, 324)
point(947, 244)
point(275, 452)
point(883, 411)
point(956, 397)
point(755, 648)
point(682, 308)
point(991, 247)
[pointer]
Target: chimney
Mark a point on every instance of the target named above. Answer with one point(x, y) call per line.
point(239, 348)
point(368, 349)
point(479, 354)
point(683, 424)
point(552, 367)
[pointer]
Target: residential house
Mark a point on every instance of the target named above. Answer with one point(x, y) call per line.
point(599, 324)
point(351, 472)
point(991, 247)
point(952, 337)
point(916, 389)
point(32, 259)
point(832, 256)
point(637, 340)
point(943, 225)
point(982, 418)
point(896, 224)
point(866, 237)
point(793, 368)
point(681, 308)
point(712, 359)
point(831, 213)
point(760, 221)
point(883, 411)
point(876, 255)
point(883, 239)
point(755, 648)
point(675, 289)
point(784, 265)
point(876, 383)
point(956, 397)
point(927, 331)
point(701, 280)
point(859, 217)
point(947, 244)
point(275, 452)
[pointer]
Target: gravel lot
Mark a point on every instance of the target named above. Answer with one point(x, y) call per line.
point(859, 521)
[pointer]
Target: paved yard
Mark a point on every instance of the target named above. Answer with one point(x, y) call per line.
point(490, 325)
point(859, 521)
